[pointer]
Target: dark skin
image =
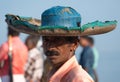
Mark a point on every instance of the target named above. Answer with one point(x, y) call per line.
point(63, 48)
point(29, 45)
point(84, 42)
point(31, 42)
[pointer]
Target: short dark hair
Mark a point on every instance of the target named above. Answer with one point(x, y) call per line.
point(89, 39)
point(12, 32)
point(72, 39)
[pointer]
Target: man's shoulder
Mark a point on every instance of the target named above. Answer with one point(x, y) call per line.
point(77, 74)
point(77, 71)
point(88, 50)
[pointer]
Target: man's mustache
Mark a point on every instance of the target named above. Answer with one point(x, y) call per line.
point(51, 53)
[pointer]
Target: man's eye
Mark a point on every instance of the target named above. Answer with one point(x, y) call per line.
point(57, 39)
point(45, 40)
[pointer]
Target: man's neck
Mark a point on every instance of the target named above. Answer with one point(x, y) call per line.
point(56, 67)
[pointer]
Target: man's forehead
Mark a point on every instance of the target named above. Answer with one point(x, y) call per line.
point(71, 39)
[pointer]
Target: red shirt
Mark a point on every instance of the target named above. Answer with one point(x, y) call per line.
point(19, 57)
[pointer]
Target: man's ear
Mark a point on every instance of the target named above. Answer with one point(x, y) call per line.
point(74, 46)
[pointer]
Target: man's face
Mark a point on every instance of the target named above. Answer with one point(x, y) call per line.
point(83, 42)
point(57, 49)
point(29, 44)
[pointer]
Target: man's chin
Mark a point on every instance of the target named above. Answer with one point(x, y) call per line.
point(52, 61)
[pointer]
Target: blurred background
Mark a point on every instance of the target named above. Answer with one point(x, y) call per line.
point(91, 10)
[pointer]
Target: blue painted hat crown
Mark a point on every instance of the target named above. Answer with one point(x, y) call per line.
point(61, 16)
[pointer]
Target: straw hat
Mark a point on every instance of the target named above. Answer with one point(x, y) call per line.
point(58, 21)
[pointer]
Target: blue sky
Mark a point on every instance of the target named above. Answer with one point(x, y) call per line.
point(90, 10)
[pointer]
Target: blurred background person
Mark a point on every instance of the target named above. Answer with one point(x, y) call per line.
point(34, 65)
point(96, 57)
point(87, 56)
point(13, 55)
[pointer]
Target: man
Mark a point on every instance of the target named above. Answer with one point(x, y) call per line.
point(60, 28)
point(87, 56)
point(96, 57)
point(19, 52)
point(60, 52)
point(34, 65)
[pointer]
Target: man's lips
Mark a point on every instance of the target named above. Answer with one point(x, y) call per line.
point(52, 57)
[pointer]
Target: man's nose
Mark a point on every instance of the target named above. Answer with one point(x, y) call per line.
point(51, 47)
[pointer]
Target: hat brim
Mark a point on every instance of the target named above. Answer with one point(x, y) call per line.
point(32, 26)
